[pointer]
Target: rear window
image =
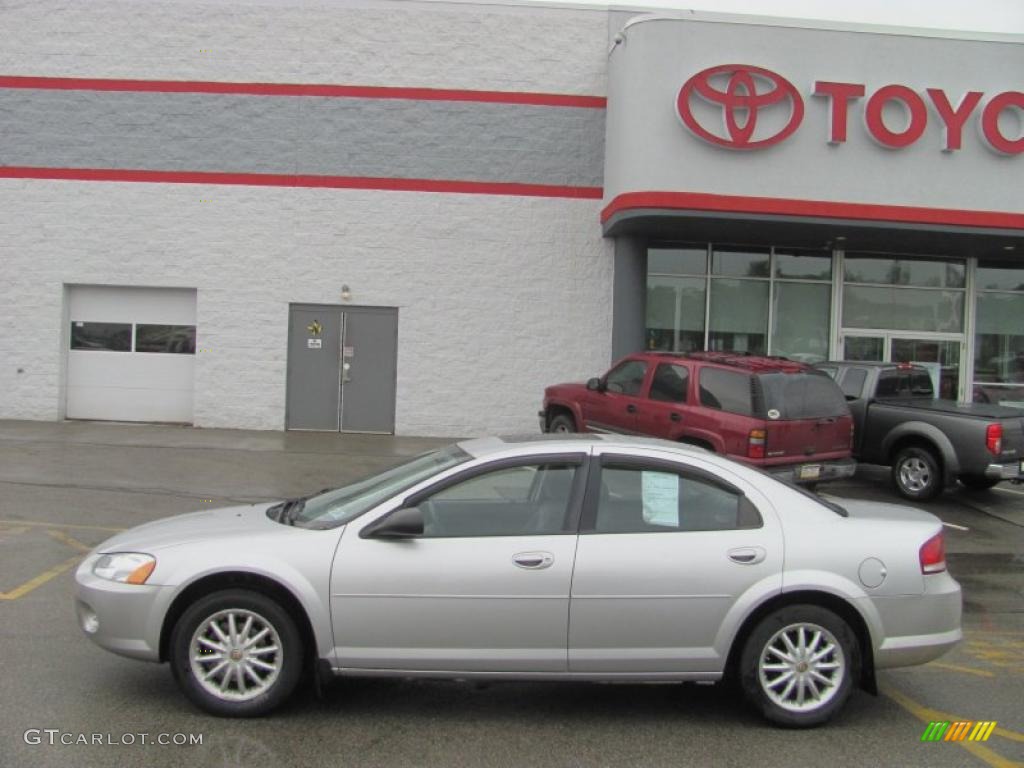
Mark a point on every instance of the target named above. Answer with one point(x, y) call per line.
point(810, 395)
point(914, 383)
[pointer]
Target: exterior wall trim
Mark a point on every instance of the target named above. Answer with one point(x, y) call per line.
point(825, 209)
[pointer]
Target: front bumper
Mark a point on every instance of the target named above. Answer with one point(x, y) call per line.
point(543, 416)
point(814, 471)
point(122, 618)
point(1009, 471)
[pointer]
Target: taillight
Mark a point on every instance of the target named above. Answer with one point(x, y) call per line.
point(755, 444)
point(933, 554)
point(994, 438)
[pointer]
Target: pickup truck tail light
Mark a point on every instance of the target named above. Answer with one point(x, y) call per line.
point(933, 554)
point(755, 444)
point(994, 439)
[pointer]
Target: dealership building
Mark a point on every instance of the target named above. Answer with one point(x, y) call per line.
point(412, 216)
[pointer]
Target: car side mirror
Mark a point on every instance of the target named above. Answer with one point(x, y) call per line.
point(594, 385)
point(404, 523)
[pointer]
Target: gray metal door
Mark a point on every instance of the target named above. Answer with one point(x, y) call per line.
point(314, 368)
point(369, 360)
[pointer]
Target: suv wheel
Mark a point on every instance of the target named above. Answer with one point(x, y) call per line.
point(562, 423)
point(799, 664)
point(236, 653)
point(916, 474)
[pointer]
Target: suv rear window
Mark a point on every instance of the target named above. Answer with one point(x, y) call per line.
point(808, 395)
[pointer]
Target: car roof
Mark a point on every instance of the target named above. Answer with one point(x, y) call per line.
point(870, 364)
point(753, 363)
point(482, 447)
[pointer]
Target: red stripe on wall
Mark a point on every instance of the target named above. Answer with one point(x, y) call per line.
point(696, 201)
point(289, 180)
point(287, 89)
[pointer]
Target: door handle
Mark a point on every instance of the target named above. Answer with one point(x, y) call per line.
point(747, 555)
point(533, 561)
point(630, 408)
point(676, 417)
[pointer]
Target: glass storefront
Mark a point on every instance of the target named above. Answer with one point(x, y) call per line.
point(999, 333)
point(888, 307)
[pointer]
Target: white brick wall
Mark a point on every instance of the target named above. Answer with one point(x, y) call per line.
point(497, 296)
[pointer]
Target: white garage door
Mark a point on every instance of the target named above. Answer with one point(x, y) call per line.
point(131, 353)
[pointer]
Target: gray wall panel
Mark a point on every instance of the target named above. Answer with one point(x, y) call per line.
point(391, 138)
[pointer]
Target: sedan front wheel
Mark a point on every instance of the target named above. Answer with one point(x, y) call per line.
point(799, 664)
point(236, 653)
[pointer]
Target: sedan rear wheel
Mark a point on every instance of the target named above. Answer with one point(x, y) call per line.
point(236, 653)
point(799, 664)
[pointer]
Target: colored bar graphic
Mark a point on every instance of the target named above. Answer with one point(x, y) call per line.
point(961, 730)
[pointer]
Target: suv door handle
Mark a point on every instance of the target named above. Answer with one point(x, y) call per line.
point(747, 555)
point(676, 417)
point(533, 561)
point(630, 408)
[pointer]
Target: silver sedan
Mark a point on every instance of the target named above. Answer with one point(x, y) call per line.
point(578, 557)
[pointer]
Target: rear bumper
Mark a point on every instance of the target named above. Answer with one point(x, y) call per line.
point(919, 628)
point(1009, 471)
point(815, 471)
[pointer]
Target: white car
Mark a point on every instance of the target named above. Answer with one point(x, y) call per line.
point(570, 557)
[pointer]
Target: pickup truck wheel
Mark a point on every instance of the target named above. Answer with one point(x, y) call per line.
point(916, 474)
point(978, 482)
point(562, 423)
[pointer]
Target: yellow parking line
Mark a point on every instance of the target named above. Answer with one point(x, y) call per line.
point(965, 670)
point(38, 581)
point(60, 525)
point(73, 543)
point(927, 714)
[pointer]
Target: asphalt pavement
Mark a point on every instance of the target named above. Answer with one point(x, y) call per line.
point(64, 487)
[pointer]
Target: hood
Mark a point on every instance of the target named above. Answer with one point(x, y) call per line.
point(193, 526)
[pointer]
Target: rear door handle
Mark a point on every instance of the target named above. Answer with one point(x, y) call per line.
point(533, 561)
point(630, 408)
point(747, 555)
point(676, 417)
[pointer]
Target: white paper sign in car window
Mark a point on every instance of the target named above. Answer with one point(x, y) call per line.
point(660, 492)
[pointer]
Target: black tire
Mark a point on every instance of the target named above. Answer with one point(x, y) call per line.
point(287, 659)
point(757, 687)
point(562, 423)
point(978, 482)
point(916, 474)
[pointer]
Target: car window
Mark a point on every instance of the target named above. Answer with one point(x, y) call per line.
point(627, 378)
point(636, 500)
point(888, 384)
point(726, 391)
point(853, 382)
point(512, 501)
point(670, 383)
point(904, 384)
point(803, 395)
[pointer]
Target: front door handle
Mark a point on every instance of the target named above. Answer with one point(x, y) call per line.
point(533, 561)
point(747, 555)
point(630, 408)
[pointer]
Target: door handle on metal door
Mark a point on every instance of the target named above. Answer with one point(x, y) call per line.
point(533, 561)
point(747, 555)
point(630, 408)
point(676, 417)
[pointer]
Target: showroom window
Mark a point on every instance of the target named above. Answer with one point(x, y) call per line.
point(999, 333)
point(758, 300)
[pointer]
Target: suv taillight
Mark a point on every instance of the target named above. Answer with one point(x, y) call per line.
point(933, 554)
point(994, 439)
point(755, 444)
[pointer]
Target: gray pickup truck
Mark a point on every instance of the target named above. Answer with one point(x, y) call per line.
point(929, 443)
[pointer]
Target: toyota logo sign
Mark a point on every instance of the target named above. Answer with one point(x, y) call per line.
point(742, 93)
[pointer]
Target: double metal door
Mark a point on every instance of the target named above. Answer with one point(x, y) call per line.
point(341, 368)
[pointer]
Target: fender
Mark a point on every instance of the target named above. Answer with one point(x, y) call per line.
point(933, 435)
point(573, 407)
point(711, 438)
point(841, 587)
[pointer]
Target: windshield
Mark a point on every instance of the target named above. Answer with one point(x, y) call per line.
point(802, 396)
point(339, 505)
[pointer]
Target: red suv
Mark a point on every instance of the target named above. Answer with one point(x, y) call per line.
point(774, 413)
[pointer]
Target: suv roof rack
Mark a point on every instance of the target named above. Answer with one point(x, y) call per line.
point(747, 360)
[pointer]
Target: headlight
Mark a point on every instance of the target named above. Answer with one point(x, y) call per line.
point(125, 567)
